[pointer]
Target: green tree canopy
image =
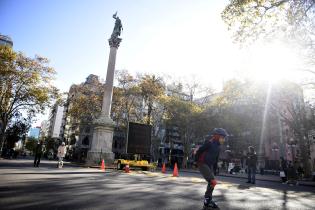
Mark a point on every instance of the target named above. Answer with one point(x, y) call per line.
point(251, 19)
point(187, 117)
point(16, 131)
point(85, 101)
point(25, 85)
point(126, 98)
point(152, 87)
point(30, 144)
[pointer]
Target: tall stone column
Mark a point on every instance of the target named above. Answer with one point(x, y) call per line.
point(101, 145)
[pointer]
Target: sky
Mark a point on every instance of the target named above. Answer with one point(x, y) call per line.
point(185, 39)
point(180, 38)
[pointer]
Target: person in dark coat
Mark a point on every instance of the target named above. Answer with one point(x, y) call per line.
point(38, 153)
point(207, 158)
point(251, 165)
point(292, 175)
point(284, 167)
point(300, 171)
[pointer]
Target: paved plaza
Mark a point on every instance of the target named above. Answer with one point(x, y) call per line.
point(25, 187)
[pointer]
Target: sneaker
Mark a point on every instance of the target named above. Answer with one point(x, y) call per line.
point(206, 201)
point(248, 182)
point(212, 204)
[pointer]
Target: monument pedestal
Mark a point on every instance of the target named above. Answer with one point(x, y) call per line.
point(101, 147)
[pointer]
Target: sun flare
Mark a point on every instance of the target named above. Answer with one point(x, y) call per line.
point(271, 62)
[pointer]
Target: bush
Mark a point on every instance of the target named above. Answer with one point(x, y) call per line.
point(31, 145)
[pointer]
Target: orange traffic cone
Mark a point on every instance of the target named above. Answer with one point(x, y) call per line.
point(127, 169)
point(175, 172)
point(163, 168)
point(103, 165)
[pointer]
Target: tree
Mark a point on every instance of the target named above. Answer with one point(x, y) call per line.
point(194, 89)
point(185, 115)
point(251, 19)
point(30, 144)
point(16, 131)
point(85, 102)
point(25, 86)
point(51, 145)
point(243, 109)
point(151, 88)
point(291, 108)
point(289, 20)
point(126, 99)
point(239, 105)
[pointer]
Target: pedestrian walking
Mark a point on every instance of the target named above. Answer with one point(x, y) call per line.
point(38, 153)
point(292, 175)
point(62, 150)
point(300, 171)
point(207, 158)
point(251, 165)
point(284, 167)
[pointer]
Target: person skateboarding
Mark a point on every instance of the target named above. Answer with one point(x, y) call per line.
point(207, 158)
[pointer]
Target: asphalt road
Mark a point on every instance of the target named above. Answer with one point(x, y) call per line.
point(25, 187)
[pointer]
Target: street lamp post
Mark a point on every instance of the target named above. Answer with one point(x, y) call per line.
point(275, 150)
point(292, 146)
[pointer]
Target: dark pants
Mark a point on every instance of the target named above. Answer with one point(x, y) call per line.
point(208, 175)
point(251, 174)
point(37, 159)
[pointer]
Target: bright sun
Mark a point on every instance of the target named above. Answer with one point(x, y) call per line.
point(270, 62)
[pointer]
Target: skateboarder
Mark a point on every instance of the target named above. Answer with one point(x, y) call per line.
point(207, 158)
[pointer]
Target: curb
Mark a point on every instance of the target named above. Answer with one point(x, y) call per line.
point(266, 180)
point(241, 177)
point(197, 172)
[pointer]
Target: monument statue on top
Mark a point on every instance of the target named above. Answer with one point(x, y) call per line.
point(101, 145)
point(118, 27)
point(114, 39)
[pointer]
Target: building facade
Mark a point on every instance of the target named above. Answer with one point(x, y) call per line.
point(6, 41)
point(77, 131)
point(55, 121)
point(270, 129)
point(44, 126)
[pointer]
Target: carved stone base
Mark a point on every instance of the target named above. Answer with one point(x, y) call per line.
point(101, 147)
point(95, 158)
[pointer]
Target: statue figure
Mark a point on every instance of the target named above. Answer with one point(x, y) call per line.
point(118, 27)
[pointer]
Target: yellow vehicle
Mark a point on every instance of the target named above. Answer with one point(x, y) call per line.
point(142, 164)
